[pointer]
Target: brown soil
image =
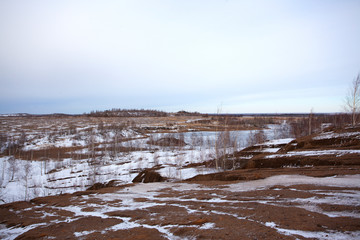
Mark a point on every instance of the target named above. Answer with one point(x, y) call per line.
point(207, 211)
point(289, 155)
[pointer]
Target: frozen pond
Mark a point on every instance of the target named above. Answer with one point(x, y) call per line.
point(207, 139)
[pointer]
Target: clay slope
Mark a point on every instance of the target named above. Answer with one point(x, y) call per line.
point(336, 151)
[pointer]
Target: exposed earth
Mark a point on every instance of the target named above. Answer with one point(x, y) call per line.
point(306, 188)
point(278, 207)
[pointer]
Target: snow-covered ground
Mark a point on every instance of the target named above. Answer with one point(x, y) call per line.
point(26, 179)
point(315, 153)
point(328, 135)
point(39, 178)
point(352, 181)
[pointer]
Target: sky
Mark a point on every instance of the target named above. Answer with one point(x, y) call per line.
point(232, 56)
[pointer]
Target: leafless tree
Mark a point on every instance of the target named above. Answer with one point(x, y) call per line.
point(181, 139)
point(256, 137)
point(179, 160)
point(13, 167)
point(101, 127)
point(352, 99)
point(234, 145)
point(91, 144)
point(94, 170)
point(156, 158)
point(3, 169)
point(194, 139)
point(116, 140)
point(27, 174)
point(217, 147)
point(310, 121)
point(3, 141)
point(22, 138)
point(224, 143)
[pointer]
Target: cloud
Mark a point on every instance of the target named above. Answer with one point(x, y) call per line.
point(176, 54)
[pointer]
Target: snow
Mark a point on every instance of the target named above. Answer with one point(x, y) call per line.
point(83, 233)
point(315, 153)
point(320, 235)
point(124, 225)
point(288, 180)
point(278, 141)
point(268, 150)
point(328, 135)
point(125, 199)
point(52, 176)
point(270, 224)
point(208, 226)
point(13, 232)
point(70, 175)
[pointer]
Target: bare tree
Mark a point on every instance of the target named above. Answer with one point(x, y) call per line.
point(352, 100)
point(311, 115)
point(91, 144)
point(182, 139)
point(3, 141)
point(234, 146)
point(22, 138)
point(26, 175)
point(217, 150)
point(3, 169)
point(13, 167)
point(94, 170)
point(225, 142)
point(156, 158)
point(256, 137)
point(179, 160)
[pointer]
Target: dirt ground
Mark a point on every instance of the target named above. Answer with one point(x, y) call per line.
point(323, 206)
point(308, 188)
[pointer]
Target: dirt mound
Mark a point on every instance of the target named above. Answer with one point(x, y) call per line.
point(348, 138)
point(97, 186)
point(240, 159)
point(332, 148)
point(335, 147)
point(167, 142)
point(303, 161)
point(148, 176)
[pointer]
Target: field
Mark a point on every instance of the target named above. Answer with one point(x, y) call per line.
point(237, 177)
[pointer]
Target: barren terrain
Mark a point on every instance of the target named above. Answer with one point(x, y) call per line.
point(278, 207)
point(303, 188)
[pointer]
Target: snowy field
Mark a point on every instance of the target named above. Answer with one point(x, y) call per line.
point(27, 179)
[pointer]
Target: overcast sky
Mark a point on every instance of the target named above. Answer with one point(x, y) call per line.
point(195, 55)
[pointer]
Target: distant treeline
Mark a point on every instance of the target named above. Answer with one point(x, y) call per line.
point(117, 112)
point(271, 114)
point(184, 113)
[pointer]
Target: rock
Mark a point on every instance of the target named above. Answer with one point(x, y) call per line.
point(147, 176)
point(97, 186)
